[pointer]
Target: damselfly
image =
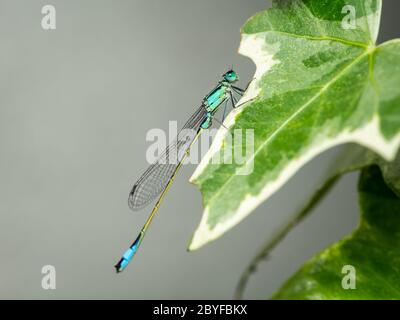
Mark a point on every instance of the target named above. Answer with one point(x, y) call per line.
point(157, 179)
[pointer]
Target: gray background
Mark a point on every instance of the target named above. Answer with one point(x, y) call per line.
point(76, 104)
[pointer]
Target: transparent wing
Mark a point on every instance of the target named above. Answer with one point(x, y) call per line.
point(156, 177)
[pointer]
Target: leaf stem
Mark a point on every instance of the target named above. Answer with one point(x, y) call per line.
point(281, 234)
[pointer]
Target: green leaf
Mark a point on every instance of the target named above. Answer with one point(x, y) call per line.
point(352, 158)
point(316, 85)
point(372, 250)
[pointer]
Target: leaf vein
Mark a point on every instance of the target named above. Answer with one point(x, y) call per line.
point(294, 115)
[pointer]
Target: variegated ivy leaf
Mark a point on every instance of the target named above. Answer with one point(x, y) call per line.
point(363, 265)
point(353, 158)
point(318, 83)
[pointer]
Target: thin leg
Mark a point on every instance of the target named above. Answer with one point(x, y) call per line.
point(220, 123)
point(238, 105)
point(232, 100)
point(240, 93)
point(224, 115)
point(243, 90)
point(239, 89)
point(235, 100)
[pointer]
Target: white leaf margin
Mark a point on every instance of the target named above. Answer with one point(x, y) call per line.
point(370, 136)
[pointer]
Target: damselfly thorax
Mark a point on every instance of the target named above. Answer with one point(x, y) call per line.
point(219, 95)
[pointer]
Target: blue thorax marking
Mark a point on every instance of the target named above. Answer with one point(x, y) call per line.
point(213, 100)
point(216, 97)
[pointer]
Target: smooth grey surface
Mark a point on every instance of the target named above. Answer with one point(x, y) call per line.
point(76, 104)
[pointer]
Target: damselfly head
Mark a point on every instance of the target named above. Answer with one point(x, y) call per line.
point(231, 76)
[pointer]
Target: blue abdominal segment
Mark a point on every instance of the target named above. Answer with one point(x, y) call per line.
point(128, 255)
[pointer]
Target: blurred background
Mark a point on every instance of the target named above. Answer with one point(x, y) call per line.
point(76, 104)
